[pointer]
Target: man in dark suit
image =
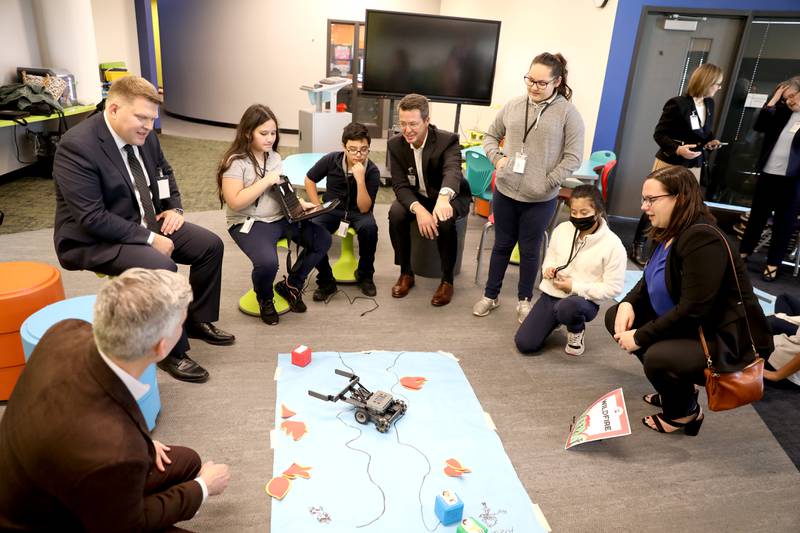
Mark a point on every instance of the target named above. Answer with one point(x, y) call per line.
point(118, 206)
point(425, 164)
point(75, 454)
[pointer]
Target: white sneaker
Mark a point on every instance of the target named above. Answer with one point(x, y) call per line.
point(484, 306)
point(523, 308)
point(575, 344)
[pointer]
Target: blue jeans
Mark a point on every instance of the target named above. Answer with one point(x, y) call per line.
point(547, 314)
point(259, 245)
point(523, 222)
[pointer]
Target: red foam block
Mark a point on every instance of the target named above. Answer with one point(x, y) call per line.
point(301, 355)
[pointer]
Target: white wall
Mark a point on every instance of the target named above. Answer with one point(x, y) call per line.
point(581, 33)
point(220, 57)
point(115, 33)
point(18, 48)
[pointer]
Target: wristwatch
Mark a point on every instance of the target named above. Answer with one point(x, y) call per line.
point(178, 210)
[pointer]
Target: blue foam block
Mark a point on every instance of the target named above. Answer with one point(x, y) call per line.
point(448, 508)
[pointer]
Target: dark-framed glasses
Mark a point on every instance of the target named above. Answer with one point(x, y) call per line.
point(650, 200)
point(539, 83)
point(357, 151)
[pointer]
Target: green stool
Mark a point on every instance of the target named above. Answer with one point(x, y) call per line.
point(248, 304)
point(344, 269)
point(514, 255)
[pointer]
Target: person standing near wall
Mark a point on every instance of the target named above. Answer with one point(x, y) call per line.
point(778, 187)
point(543, 146)
point(682, 133)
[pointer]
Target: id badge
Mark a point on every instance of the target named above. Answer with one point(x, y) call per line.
point(248, 223)
point(694, 120)
point(795, 128)
point(163, 188)
point(412, 179)
point(343, 227)
point(519, 162)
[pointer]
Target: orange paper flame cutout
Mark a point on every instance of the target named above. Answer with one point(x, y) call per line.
point(279, 486)
point(413, 382)
point(297, 470)
point(286, 412)
point(295, 429)
point(454, 468)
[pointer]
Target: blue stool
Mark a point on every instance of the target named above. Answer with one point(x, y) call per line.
point(82, 308)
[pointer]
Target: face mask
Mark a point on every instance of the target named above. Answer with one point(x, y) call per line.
point(583, 224)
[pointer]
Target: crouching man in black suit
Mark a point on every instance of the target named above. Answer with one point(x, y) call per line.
point(118, 206)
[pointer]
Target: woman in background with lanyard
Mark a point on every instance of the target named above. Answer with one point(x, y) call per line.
point(543, 146)
point(584, 265)
point(682, 133)
point(778, 185)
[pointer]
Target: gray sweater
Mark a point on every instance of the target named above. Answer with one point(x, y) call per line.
point(554, 147)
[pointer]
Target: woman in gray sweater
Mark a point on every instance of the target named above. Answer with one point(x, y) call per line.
point(542, 134)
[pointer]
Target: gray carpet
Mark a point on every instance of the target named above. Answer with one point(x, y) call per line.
point(733, 477)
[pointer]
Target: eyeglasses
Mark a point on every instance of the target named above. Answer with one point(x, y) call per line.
point(410, 125)
point(539, 83)
point(360, 151)
point(650, 200)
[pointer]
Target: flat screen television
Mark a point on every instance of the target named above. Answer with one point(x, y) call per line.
point(446, 59)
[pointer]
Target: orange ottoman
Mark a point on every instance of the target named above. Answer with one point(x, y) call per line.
point(25, 287)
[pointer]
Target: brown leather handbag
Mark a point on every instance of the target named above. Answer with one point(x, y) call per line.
point(728, 390)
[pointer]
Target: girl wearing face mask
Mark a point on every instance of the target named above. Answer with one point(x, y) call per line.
point(543, 145)
point(584, 265)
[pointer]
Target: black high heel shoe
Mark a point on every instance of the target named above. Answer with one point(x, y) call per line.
point(769, 273)
point(691, 428)
point(652, 399)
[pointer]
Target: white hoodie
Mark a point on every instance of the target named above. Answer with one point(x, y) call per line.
point(597, 269)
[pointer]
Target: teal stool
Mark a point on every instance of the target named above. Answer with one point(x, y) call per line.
point(82, 308)
point(344, 269)
point(248, 304)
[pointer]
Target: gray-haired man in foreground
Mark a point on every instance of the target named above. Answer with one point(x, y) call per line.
point(75, 453)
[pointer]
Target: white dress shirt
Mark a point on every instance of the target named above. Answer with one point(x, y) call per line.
point(446, 191)
point(121, 147)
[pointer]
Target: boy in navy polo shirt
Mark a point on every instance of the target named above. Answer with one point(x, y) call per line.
point(353, 180)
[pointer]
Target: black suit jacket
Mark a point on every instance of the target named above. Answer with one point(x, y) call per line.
point(771, 121)
point(74, 447)
point(96, 208)
point(441, 163)
point(700, 279)
point(675, 126)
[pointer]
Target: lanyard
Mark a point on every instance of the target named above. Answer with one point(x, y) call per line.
point(535, 123)
point(260, 173)
point(572, 249)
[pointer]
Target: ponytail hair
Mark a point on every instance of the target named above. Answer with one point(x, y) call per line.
point(558, 68)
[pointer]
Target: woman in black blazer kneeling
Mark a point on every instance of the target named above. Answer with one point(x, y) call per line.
point(688, 283)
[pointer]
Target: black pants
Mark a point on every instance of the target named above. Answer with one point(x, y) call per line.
point(259, 246)
point(523, 222)
point(447, 242)
point(673, 366)
point(788, 305)
point(367, 232)
point(773, 193)
point(640, 235)
point(548, 312)
point(194, 246)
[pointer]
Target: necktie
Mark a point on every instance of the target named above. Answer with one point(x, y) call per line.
point(144, 192)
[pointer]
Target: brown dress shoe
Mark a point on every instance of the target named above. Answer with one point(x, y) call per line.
point(443, 294)
point(403, 285)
